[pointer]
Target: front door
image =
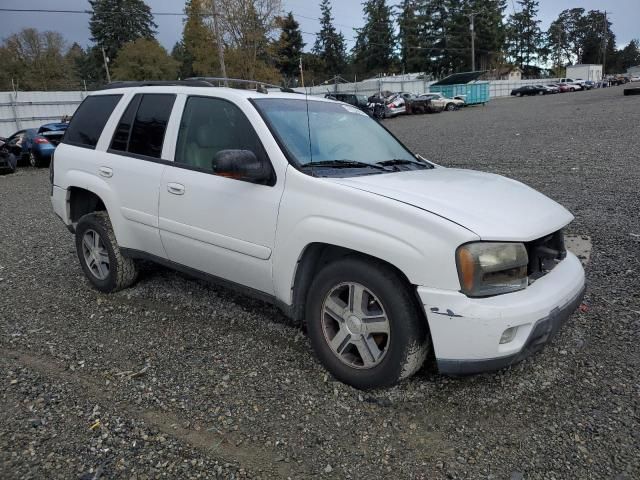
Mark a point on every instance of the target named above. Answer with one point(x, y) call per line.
point(217, 224)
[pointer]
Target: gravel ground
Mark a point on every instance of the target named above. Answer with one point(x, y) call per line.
point(175, 378)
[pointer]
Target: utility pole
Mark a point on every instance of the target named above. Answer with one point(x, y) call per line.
point(472, 17)
point(216, 27)
point(301, 73)
point(106, 65)
point(605, 43)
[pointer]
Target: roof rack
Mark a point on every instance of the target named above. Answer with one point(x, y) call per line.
point(157, 83)
point(224, 82)
point(260, 87)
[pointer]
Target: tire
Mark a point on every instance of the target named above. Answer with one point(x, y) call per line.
point(518, 94)
point(451, 107)
point(572, 90)
point(35, 161)
point(120, 272)
point(394, 348)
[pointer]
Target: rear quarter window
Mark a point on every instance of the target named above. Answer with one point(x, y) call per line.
point(89, 120)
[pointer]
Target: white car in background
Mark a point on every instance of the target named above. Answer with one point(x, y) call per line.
point(312, 205)
point(445, 103)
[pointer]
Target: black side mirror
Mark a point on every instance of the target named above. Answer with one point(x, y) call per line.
point(241, 165)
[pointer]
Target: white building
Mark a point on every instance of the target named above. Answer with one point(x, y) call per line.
point(585, 71)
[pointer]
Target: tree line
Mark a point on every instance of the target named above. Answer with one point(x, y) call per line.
point(258, 42)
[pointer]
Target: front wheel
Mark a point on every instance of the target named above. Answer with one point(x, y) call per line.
point(99, 254)
point(451, 107)
point(364, 324)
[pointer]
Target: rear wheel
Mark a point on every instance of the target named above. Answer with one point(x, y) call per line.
point(100, 257)
point(35, 161)
point(364, 323)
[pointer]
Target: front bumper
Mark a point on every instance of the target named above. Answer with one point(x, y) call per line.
point(466, 332)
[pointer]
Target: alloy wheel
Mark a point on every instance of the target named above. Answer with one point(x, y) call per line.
point(95, 254)
point(355, 325)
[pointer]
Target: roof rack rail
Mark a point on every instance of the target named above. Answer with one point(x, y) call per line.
point(224, 81)
point(156, 83)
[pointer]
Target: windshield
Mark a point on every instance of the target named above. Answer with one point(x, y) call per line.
point(332, 132)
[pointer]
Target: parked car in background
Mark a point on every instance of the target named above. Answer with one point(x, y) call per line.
point(8, 161)
point(2, 141)
point(42, 146)
point(635, 78)
point(590, 84)
point(395, 105)
point(585, 84)
point(358, 101)
point(528, 90)
point(18, 144)
point(439, 100)
point(549, 89)
point(563, 87)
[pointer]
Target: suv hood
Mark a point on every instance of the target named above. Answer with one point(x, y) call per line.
point(491, 206)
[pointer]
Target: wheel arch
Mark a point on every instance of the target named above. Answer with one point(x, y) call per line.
point(318, 254)
point(82, 201)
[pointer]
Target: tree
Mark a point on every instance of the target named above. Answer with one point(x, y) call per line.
point(330, 45)
point(434, 16)
point(116, 22)
point(409, 37)
point(35, 61)
point(288, 48)
point(197, 51)
point(247, 27)
point(490, 32)
point(144, 59)
point(524, 35)
point(375, 41)
point(630, 55)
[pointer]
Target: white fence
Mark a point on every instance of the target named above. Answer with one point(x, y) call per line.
point(20, 110)
point(497, 88)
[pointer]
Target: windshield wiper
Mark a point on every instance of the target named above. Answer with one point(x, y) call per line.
point(346, 164)
point(401, 161)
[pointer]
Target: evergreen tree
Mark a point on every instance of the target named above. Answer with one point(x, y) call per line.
point(374, 48)
point(524, 35)
point(630, 55)
point(409, 40)
point(116, 22)
point(288, 48)
point(490, 32)
point(435, 20)
point(330, 45)
point(198, 48)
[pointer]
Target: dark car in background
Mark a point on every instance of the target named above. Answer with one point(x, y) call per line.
point(18, 144)
point(528, 90)
point(358, 101)
point(44, 143)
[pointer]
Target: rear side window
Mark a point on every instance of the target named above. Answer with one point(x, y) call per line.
point(89, 120)
point(143, 125)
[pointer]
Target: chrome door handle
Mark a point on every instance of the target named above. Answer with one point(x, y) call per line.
point(106, 172)
point(175, 188)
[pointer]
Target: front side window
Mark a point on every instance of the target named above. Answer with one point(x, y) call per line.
point(210, 126)
point(143, 125)
point(329, 135)
point(89, 120)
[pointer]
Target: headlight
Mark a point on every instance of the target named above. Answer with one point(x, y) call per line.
point(488, 268)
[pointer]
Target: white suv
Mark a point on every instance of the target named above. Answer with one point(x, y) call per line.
point(312, 205)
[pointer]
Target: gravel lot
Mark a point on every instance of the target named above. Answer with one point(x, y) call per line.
point(175, 378)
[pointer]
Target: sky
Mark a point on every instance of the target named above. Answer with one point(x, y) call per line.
point(625, 16)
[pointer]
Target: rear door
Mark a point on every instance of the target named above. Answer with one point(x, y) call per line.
point(132, 165)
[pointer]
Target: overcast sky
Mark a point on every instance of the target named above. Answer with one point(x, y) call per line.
point(625, 15)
